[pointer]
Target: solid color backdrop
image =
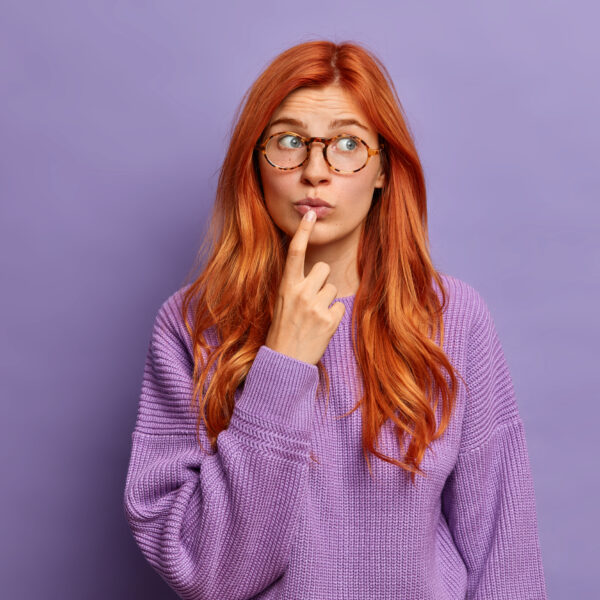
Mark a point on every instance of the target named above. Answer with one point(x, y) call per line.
point(114, 121)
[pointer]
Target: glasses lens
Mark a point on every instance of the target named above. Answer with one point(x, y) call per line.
point(287, 151)
point(347, 153)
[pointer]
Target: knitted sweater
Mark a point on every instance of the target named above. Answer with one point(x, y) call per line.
point(260, 519)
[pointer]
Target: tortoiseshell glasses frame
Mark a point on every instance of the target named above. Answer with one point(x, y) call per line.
point(307, 141)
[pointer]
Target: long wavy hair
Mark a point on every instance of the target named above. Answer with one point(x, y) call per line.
point(397, 321)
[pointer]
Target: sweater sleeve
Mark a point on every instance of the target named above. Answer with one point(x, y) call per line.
point(488, 499)
point(218, 524)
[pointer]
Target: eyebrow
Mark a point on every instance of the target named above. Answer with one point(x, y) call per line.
point(334, 124)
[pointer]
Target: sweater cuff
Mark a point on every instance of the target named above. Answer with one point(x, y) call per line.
point(280, 389)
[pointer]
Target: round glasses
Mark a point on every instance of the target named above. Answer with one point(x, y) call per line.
point(343, 153)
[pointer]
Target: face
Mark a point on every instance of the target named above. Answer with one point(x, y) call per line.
point(350, 195)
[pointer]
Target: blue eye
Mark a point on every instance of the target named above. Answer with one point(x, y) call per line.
point(295, 141)
point(347, 144)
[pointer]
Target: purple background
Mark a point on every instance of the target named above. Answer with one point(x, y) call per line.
point(114, 121)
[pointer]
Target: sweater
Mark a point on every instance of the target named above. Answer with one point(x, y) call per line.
point(261, 519)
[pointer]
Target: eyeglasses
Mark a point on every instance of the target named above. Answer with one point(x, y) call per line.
point(343, 153)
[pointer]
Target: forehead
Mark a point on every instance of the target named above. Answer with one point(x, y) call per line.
point(320, 106)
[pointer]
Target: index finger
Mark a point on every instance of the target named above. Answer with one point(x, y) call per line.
point(294, 264)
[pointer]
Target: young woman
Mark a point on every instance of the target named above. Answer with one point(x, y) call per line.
point(251, 472)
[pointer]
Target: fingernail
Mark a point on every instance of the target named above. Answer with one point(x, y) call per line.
point(311, 215)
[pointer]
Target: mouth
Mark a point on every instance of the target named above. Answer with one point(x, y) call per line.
point(321, 211)
point(313, 202)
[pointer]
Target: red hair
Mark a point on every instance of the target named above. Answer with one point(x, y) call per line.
point(397, 313)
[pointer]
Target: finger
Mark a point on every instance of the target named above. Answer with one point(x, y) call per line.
point(294, 264)
point(338, 310)
point(341, 308)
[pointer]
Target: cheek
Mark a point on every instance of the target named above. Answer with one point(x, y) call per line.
point(357, 189)
point(278, 187)
point(276, 193)
point(274, 184)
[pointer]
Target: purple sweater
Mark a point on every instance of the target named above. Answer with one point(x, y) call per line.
point(260, 519)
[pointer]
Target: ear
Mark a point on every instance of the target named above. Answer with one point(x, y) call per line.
point(380, 181)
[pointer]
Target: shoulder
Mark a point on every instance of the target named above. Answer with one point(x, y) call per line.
point(170, 315)
point(466, 308)
point(171, 328)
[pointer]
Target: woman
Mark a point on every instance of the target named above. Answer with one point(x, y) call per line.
point(251, 473)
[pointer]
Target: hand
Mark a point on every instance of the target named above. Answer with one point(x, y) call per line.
point(302, 322)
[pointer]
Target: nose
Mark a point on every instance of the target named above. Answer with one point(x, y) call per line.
point(316, 169)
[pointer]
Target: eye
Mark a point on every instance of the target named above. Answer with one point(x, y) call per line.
point(347, 144)
point(294, 141)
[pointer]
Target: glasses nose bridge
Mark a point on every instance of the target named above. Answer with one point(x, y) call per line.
point(308, 142)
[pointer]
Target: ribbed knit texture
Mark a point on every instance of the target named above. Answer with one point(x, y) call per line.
point(260, 519)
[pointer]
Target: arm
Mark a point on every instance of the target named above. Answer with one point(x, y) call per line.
point(488, 499)
point(218, 525)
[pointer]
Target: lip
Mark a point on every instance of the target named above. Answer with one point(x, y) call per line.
point(314, 202)
point(320, 210)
